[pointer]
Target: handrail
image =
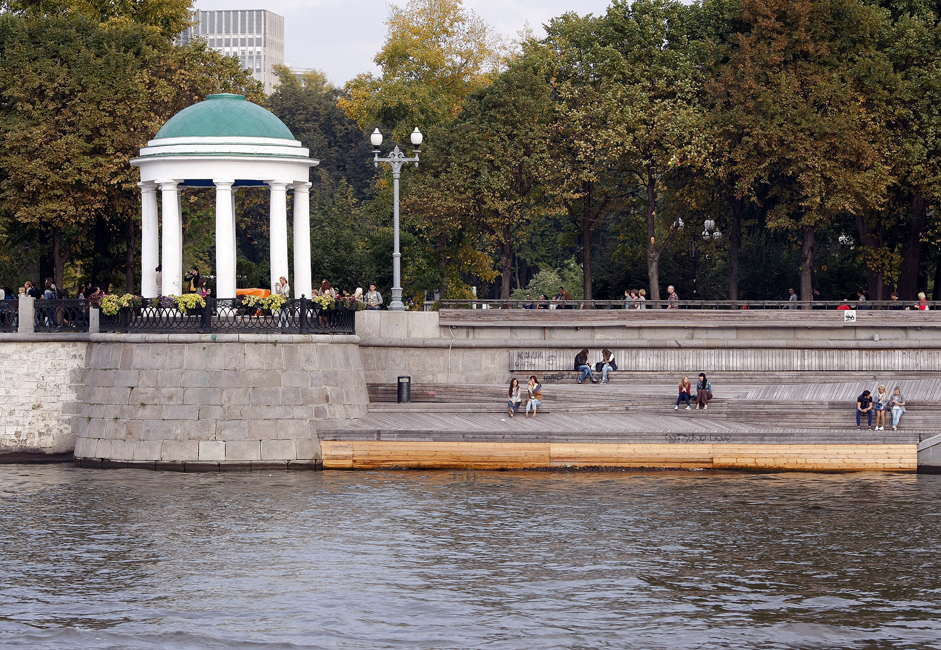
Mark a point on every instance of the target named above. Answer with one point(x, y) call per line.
point(743, 305)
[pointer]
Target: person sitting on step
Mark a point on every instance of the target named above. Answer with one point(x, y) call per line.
point(684, 393)
point(607, 364)
point(581, 364)
point(703, 392)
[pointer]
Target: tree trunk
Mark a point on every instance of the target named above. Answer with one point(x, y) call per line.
point(59, 258)
point(871, 240)
point(653, 255)
point(735, 245)
point(100, 271)
point(516, 268)
point(586, 240)
point(807, 266)
point(936, 294)
point(911, 249)
point(506, 262)
point(130, 257)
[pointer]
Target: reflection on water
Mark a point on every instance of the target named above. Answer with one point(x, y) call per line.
point(503, 560)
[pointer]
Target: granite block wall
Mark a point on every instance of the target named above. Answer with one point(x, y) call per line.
point(204, 401)
point(40, 390)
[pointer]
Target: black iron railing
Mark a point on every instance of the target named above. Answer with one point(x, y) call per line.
point(60, 315)
point(9, 315)
point(890, 305)
point(231, 316)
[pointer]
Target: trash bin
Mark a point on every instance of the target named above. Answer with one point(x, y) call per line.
point(405, 390)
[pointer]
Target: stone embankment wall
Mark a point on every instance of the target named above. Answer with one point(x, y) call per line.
point(202, 402)
point(415, 344)
point(40, 389)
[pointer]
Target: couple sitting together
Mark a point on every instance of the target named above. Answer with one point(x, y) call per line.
point(604, 366)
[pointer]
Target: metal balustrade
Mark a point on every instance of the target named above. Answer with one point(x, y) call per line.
point(891, 305)
point(9, 315)
point(231, 316)
point(55, 315)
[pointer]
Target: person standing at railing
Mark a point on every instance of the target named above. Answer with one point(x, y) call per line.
point(282, 288)
point(894, 303)
point(192, 276)
point(373, 298)
point(673, 300)
point(792, 299)
point(642, 299)
point(922, 301)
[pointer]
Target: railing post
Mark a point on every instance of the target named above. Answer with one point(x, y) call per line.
point(94, 320)
point(207, 314)
point(302, 318)
point(27, 309)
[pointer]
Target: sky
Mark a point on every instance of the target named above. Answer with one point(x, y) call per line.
point(341, 37)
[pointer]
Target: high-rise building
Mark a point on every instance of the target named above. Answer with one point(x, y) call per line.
point(254, 36)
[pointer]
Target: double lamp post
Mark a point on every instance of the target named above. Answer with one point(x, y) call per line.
point(395, 160)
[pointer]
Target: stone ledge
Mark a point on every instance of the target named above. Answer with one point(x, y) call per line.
point(199, 466)
point(664, 344)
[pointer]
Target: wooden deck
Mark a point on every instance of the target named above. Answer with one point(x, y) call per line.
point(633, 424)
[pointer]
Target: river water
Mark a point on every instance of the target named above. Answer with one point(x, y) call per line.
point(496, 560)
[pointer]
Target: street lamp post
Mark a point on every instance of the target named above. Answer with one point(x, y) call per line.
point(710, 232)
point(395, 160)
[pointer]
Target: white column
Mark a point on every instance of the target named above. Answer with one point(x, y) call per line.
point(225, 240)
point(172, 247)
point(279, 231)
point(150, 239)
point(302, 279)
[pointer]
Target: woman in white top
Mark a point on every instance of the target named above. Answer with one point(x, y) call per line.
point(897, 404)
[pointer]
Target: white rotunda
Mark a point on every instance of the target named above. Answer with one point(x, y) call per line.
point(224, 142)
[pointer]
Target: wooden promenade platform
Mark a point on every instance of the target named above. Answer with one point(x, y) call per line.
point(632, 423)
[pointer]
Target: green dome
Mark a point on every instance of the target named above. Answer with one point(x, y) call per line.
point(224, 115)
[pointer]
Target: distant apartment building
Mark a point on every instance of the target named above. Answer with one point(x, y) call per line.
point(254, 36)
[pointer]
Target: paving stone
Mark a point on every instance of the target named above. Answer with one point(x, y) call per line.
point(180, 412)
point(126, 377)
point(212, 413)
point(236, 397)
point(179, 450)
point(278, 450)
point(224, 378)
point(262, 429)
point(307, 449)
point(147, 450)
point(262, 357)
point(260, 379)
point(195, 379)
point(212, 450)
point(85, 447)
point(292, 429)
point(103, 449)
point(170, 378)
point(295, 379)
point(243, 450)
point(274, 412)
point(232, 430)
point(203, 396)
point(162, 430)
point(122, 450)
point(266, 397)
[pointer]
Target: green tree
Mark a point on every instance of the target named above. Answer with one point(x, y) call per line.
point(80, 99)
point(487, 169)
point(801, 97)
point(436, 53)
